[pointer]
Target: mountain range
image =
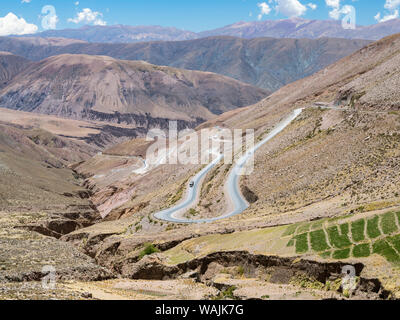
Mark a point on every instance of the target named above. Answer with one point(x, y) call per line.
point(120, 34)
point(267, 63)
point(302, 28)
point(287, 28)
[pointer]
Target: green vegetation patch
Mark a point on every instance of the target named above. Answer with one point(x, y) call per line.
point(192, 212)
point(339, 239)
point(318, 241)
point(226, 294)
point(302, 243)
point(304, 228)
point(361, 251)
point(149, 249)
point(395, 241)
point(318, 225)
point(290, 243)
point(372, 228)
point(398, 216)
point(326, 255)
point(341, 254)
point(388, 223)
point(290, 230)
point(357, 230)
point(306, 282)
point(382, 248)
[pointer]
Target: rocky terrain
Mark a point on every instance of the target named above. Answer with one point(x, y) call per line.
point(267, 63)
point(105, 89)
point(41, 200)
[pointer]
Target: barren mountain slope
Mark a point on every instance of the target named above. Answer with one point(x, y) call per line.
point(265, 62)
point(40, 200)
point(34, 163)
point(364, 67)
point(11, 65)
point(102, 88)
point(333, 161)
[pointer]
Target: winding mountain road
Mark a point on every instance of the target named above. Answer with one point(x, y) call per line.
point(239, 203)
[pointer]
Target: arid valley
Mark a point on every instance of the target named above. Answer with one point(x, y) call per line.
point(97, 204)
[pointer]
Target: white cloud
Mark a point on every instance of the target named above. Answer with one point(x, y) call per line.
point(99, 22)
point(89, 16)
point(333, 3)
point(338, 10)
point(335, 14)
point(12, 25)
point(290, 8)
point(335, 6)
point(392, 4)
point(392, 7)
point(264, 9)
point(312, 6)
point(387, 17)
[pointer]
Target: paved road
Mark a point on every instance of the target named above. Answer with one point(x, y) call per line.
point(237, 200)
point(191, 197)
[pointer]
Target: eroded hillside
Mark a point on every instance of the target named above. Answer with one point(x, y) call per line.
point(130, 92)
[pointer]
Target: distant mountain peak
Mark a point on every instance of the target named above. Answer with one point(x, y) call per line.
point(304, 28)
point(295, 27)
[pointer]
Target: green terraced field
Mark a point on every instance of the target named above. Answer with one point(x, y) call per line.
point(357, 230)
point(339, 239)
point(379, 234)
point(361, 250)
point(302, 243)
point(389, 223)
point(318, 241)
point(341, 254)
point(372, 228)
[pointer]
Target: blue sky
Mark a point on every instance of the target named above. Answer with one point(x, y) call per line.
point(183, 14)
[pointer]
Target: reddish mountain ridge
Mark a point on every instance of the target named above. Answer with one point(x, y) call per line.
point(103, 88)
